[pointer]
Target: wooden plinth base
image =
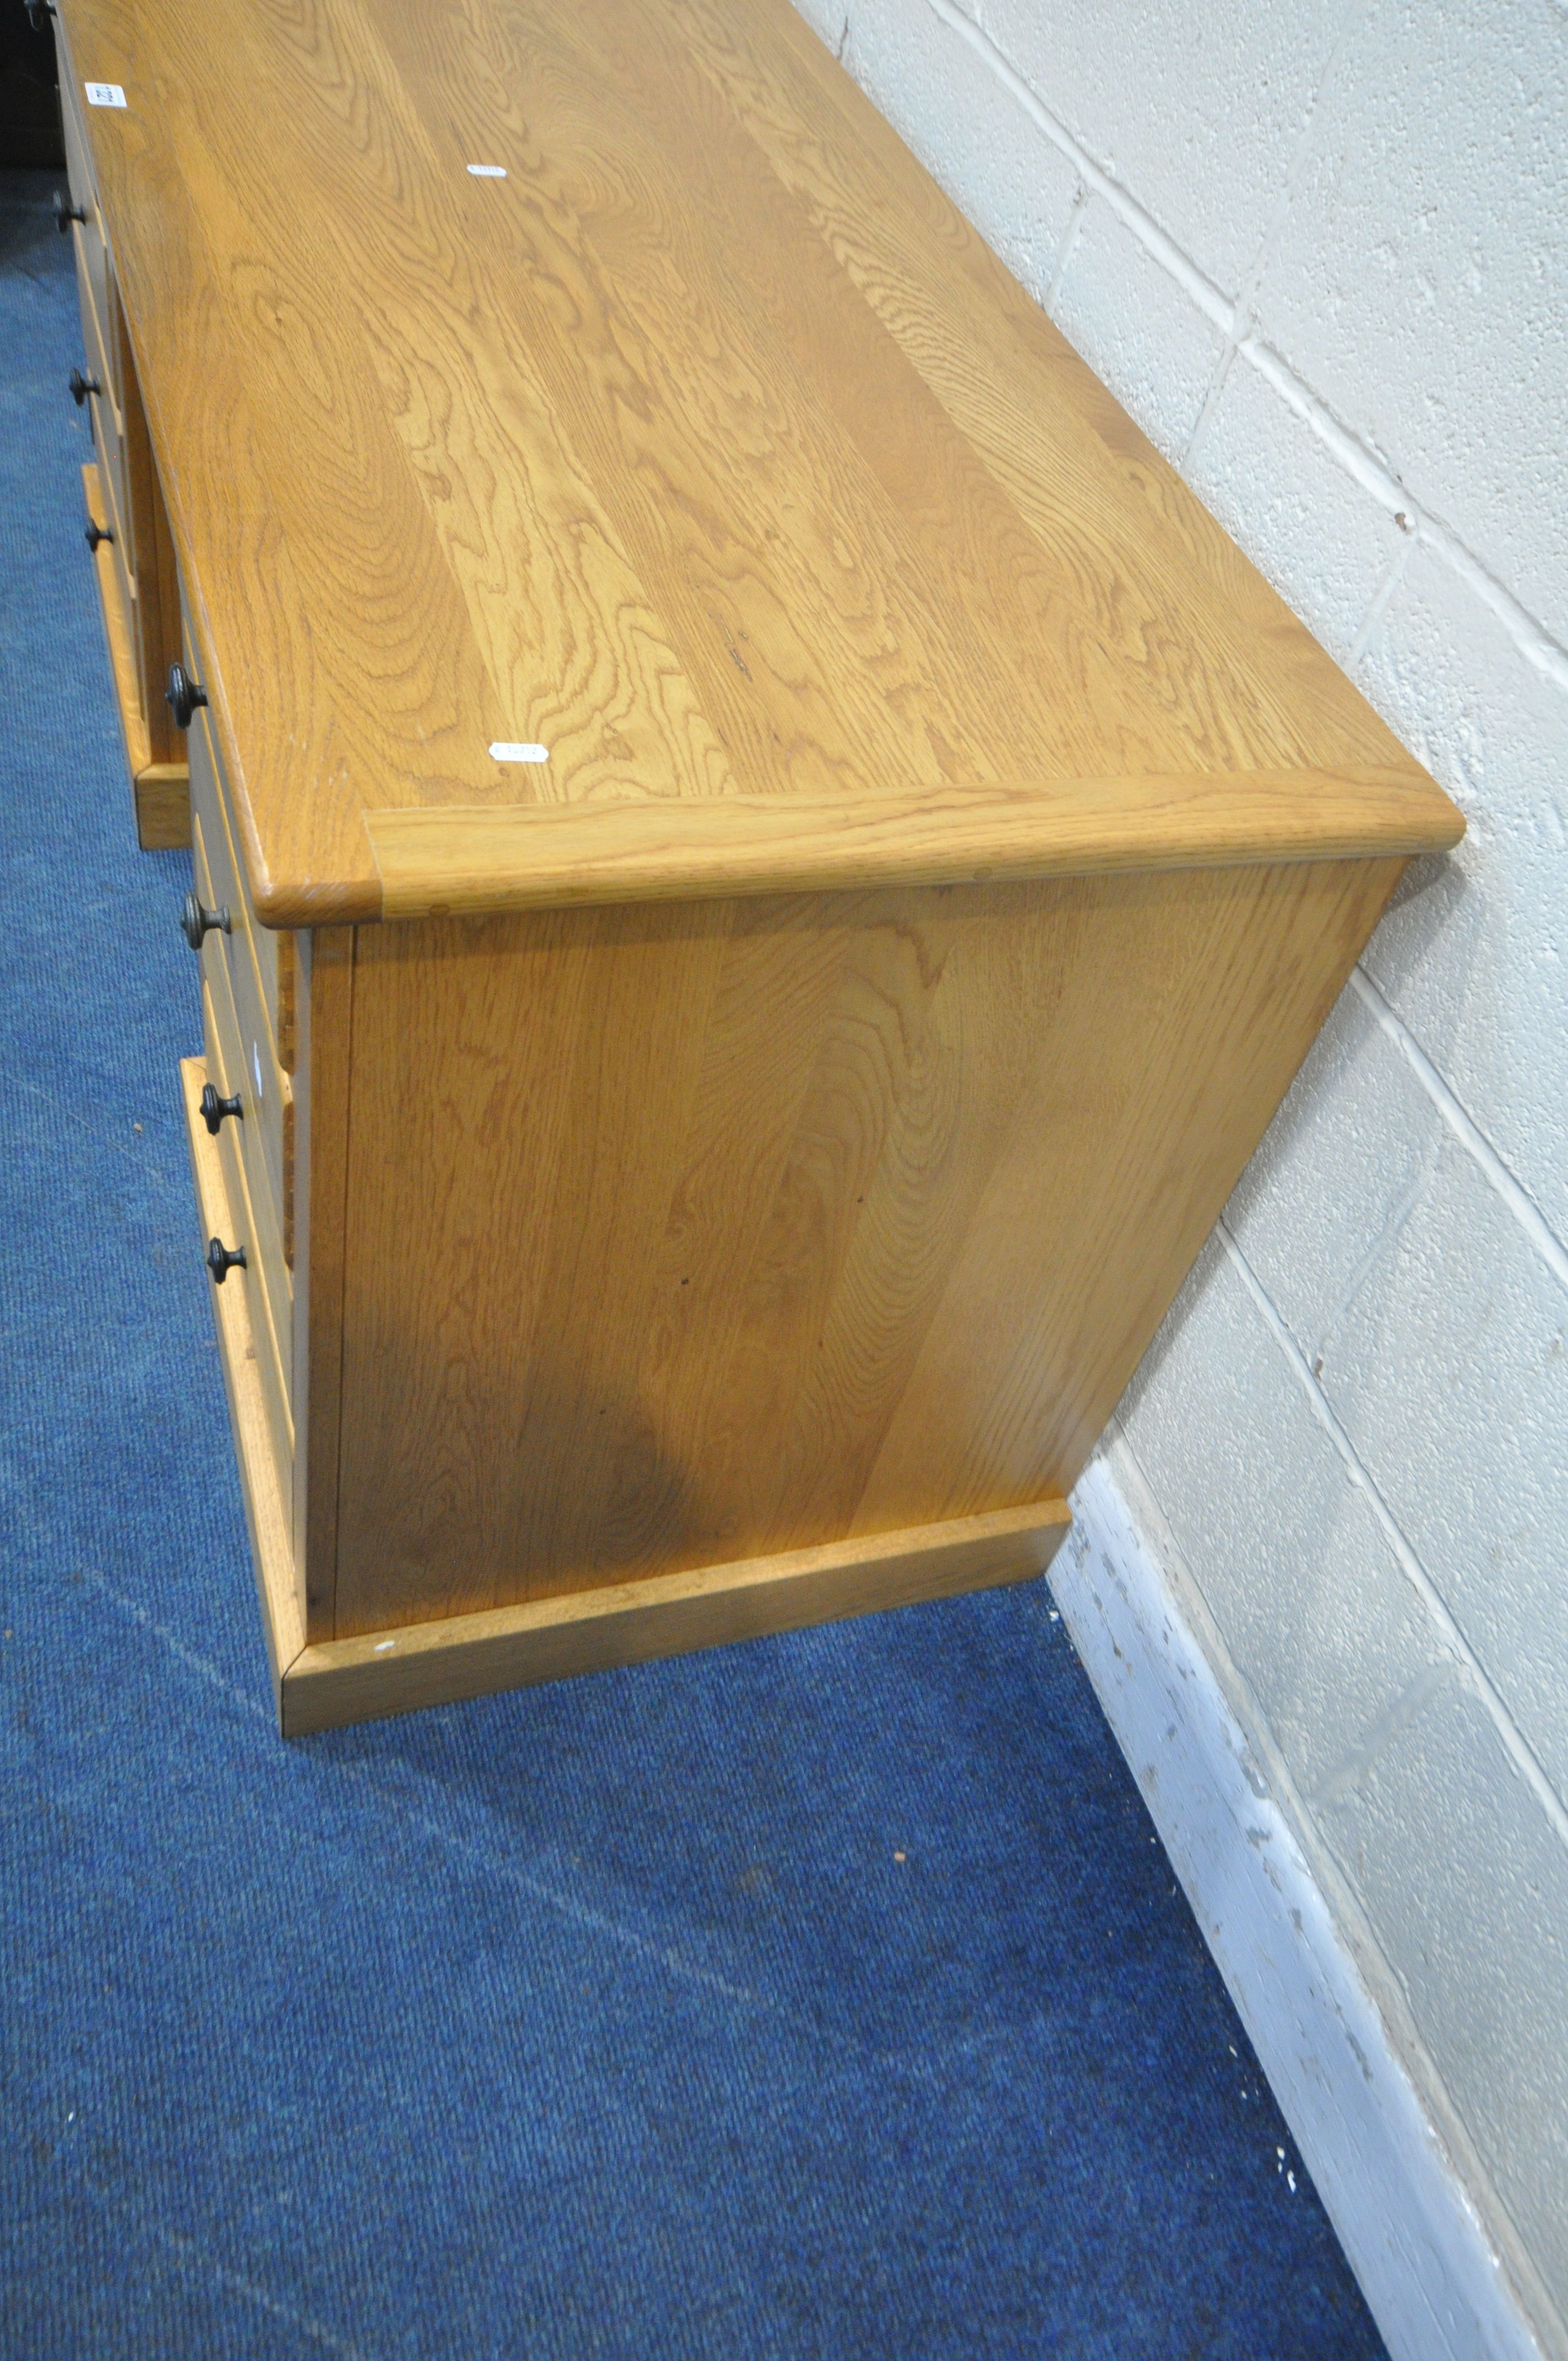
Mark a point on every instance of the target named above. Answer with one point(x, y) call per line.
point(162, 790)
point(665, 1615)
point(338, 1680)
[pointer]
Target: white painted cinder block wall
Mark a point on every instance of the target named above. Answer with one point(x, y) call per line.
point(1320, 252)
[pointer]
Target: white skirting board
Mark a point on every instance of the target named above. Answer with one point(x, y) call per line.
point(1419, 2250)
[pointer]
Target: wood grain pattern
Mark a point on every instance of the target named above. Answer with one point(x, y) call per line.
point(709, 449)
point(453, 862)
point(162, 797)
point(678, 1234)
point(287, 982)
point(735, 1184)
point(629, 1623)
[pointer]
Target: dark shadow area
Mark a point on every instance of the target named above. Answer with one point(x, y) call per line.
point(30, 132)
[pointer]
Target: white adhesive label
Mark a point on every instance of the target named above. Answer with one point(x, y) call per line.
point(504, 750)
point(488, 171)
point(103, 93)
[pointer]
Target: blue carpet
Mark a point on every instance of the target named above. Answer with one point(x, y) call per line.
point(828, 1995)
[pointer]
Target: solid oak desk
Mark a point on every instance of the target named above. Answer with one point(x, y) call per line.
point(760, 865)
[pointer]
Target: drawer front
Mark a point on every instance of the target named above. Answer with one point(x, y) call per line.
point(271, 952)
point(92, 247)
point(260, 1273)
point(100, 342)
point(110, 452)
point(264, 1134)
point(253, 949)
point(245, 1177)
point(78, 155)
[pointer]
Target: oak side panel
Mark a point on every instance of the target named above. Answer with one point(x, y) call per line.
point(521, 1098)
point(323, 1008)
point(1170, 1051)
point(683, 1234)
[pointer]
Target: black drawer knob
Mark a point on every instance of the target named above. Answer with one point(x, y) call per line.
point(93, 533)
point(214, 1108)
point(196, 922)
point(81, 387)
point(182, 695)
point(65, 212)
point(222, 1259)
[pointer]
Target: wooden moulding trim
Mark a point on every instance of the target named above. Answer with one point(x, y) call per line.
point(270, 1543)
point(342, 1681)
point(460, 861)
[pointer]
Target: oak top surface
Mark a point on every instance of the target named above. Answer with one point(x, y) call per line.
point(708, 449)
